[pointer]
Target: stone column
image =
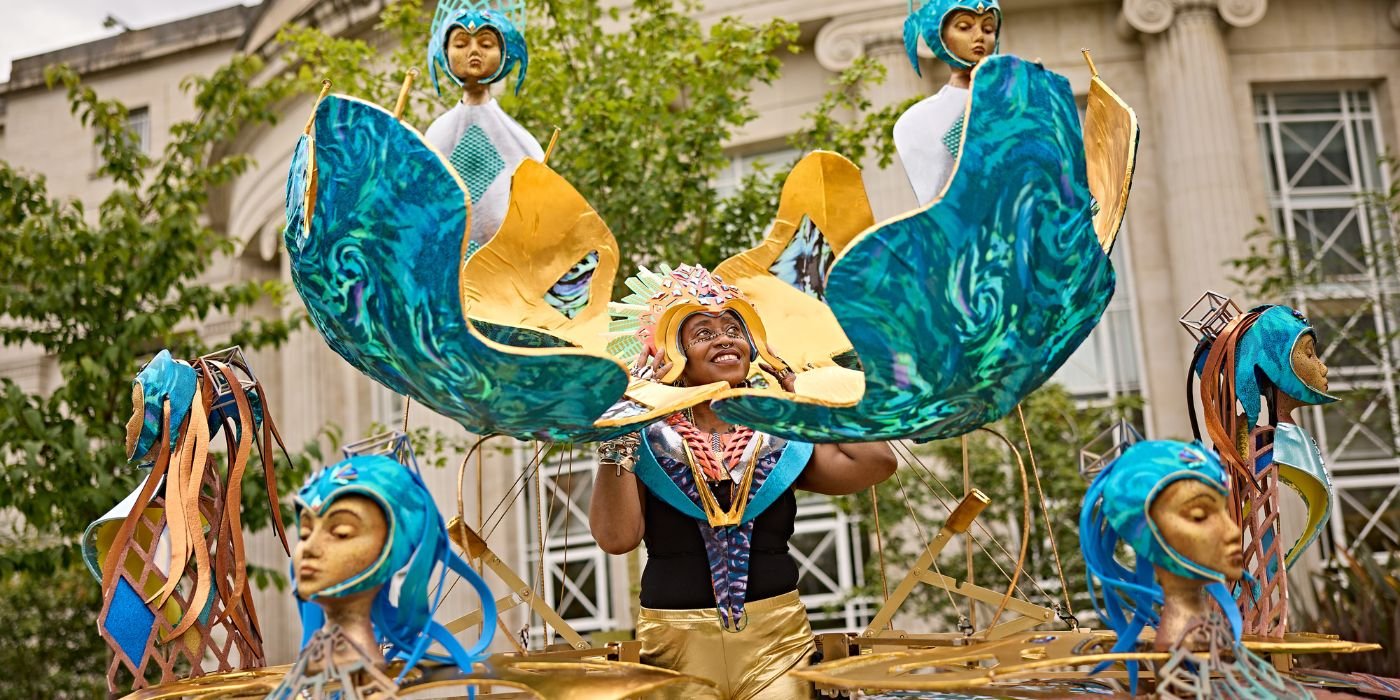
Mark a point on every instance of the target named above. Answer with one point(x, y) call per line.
point(879, 35)
point(1201, 155)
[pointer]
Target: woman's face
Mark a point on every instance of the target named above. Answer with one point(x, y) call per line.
point(333, 547)
point(716, 349)
point(971, 36)
point(474, 57)
point(1195, 520)
point(1307, 365)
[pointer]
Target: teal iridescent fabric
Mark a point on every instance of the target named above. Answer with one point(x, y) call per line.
point(960, 310)
point(378, 270)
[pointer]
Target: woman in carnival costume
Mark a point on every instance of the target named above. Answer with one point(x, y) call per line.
point(715, 503)
point(1266, 358)
point(364, 523)
point(928, 136)
point(1167, 501)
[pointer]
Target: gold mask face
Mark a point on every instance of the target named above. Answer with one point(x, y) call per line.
point(339, 544)
point(474, 57)
point(1307, 365)
point(1194, 519)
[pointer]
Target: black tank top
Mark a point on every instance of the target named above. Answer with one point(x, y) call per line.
point(677, 574)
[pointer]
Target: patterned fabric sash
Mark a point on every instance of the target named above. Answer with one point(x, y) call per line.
point(727, 547)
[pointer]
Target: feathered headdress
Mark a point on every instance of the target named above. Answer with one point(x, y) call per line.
point(506, 17)
point(926, 21)
point(650, 318)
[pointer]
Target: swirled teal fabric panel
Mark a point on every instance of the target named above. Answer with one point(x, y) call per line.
point(378, 269)
point(960, 310)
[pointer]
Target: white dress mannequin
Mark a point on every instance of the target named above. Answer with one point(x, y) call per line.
point(927, 137)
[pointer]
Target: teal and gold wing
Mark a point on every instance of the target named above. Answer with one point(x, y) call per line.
point(377, 229)
point(959, 310)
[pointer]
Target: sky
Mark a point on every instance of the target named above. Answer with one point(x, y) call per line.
point(37, 26)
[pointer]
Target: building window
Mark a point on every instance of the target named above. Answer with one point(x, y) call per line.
point(829, 547)
point(727, 182)
point(1321, 151)
point(138, 120)
point(1108, 366)
point(578, 581)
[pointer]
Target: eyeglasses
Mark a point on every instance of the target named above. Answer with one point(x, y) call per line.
point(705, 335)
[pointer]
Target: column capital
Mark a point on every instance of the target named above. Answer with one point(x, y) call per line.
point(841, 41)
point(1156, 16)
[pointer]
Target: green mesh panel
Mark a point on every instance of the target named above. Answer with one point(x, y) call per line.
point(477, 161)
point(953, 139)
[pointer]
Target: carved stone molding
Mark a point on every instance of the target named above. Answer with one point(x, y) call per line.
point(841, 41)
point(1156, 16)
point(1149, 16)
point(1242, 13)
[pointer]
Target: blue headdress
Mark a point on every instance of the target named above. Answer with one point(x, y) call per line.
point(926, 21)
point(163, 378)
point(1117, 509)
point(416, 553)
point(505, 17)
point(1264, 355)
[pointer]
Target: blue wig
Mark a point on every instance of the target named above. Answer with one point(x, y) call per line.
point(1117, 509)
point(505, 17)
point(926, 21)
point(416, 553)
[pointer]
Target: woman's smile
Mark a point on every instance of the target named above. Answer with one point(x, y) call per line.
point(726, 356)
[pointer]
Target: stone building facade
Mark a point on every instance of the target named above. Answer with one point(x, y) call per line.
point(1251, 110)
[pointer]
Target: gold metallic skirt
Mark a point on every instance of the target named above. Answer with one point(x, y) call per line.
point(751, 664)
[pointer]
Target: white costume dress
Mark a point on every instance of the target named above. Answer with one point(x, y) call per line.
point(928, 137)
point(484, 146)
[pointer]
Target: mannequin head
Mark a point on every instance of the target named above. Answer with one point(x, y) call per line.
point(1165, 500)
point(971, 36)
point(335, 545)
point(490, 31)
point(1194, 520)
point(474, 57)
point(363, 522)
point(959, 32)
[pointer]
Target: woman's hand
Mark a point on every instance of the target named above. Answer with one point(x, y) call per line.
point(651, 364)
point(787, 378)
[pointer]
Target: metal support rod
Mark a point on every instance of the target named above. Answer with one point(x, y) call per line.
point(1093, 70)
point(403, 92)
point(325, 90)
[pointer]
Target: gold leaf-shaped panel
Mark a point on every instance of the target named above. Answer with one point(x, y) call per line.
point(548, 228)
point(825, 189)
point(1110, 151)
